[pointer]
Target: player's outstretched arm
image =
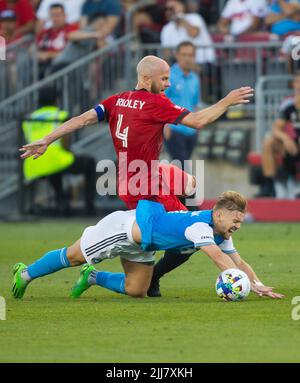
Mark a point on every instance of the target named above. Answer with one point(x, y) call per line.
point(221, 260)
point(256, 285)
point(37, 148)
point(208, 115)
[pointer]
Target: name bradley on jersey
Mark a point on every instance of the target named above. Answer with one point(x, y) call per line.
point(133, 104)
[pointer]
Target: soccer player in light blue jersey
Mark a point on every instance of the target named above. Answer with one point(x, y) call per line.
point(135, 235)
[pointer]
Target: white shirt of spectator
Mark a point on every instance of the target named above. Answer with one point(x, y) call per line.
point(241, 12)
point(172, 35)
point(72, 10)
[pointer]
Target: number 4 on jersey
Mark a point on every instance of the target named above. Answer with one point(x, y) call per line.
point(123, 136)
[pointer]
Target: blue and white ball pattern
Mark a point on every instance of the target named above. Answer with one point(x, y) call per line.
point(233, 285)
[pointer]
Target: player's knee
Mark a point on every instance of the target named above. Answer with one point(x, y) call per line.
point(138, 294)
point(75, 256)
point(135, 291)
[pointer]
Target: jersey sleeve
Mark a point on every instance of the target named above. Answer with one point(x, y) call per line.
point(104, 107)
point(227, 246)
point(168, 113)
point(200, 233)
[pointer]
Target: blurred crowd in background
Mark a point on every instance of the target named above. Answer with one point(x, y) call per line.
point(93, 24)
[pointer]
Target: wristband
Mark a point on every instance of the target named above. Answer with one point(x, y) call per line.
point(258, 283)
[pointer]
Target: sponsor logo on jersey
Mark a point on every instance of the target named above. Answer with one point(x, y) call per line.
point(206, 237)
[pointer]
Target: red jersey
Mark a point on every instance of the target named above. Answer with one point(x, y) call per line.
point(136, 120)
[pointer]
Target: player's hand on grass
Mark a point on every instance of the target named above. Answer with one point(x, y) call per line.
point(36, 149)
point(260, 289)
point(267, 291)
point(240, 96)
point(273, 295)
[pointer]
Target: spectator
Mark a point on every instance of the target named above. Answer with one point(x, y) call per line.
point(98, 21)
point(290, 51)
point(242, 16)
point(97, 24)
point(283, 142)
point(60, 160)
point(25, 15)
point(8, 23)
point(72, 8)
point(185, 91)
point(283, 17)
point(51, 41)
point(186, 27)
point(147, 21)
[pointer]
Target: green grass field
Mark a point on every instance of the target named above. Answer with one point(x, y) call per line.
point(189, 324)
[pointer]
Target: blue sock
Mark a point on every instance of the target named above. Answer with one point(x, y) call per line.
point(111, 281)
point(50, 263)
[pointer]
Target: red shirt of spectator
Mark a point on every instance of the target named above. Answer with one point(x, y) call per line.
point(54, 39)
point(23, 9)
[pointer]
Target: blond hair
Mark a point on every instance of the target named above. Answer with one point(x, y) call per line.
point(232, 200)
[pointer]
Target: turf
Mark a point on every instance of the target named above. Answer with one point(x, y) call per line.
point(189, 324)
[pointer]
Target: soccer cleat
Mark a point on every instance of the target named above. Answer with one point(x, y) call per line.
point(154, 291)
point(82, 284)
point(19, 284)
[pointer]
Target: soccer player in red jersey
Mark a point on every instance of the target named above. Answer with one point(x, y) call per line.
point(136, 119)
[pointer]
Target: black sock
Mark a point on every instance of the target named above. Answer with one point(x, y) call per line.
point(268, 187)
point(168, 262)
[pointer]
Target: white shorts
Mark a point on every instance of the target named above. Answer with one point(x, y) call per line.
point(112, 236)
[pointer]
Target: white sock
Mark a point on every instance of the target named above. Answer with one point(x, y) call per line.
point(25, 275)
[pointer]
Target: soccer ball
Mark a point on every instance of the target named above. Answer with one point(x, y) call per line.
point(233, 285)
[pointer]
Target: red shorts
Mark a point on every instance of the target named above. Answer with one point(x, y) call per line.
point(170, 176)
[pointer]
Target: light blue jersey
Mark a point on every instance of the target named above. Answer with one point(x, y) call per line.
point(184, 91)
point(162, 230)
